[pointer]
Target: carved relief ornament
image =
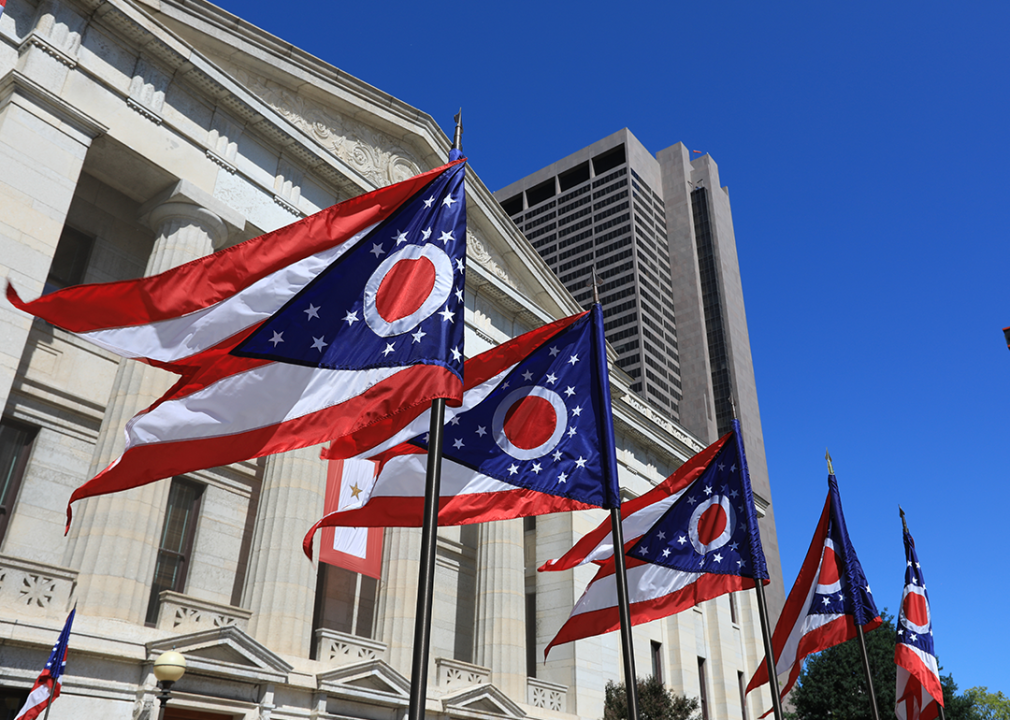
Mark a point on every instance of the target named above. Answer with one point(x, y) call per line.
point(371, 153)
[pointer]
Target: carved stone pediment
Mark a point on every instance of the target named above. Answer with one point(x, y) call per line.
point(373, 682)
point(371, 152)
point(225, 652)
point(481, 702)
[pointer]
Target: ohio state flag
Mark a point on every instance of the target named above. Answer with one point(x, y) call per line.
point(918, 685)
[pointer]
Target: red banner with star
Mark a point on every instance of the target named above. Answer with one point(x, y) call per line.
point(348, 483)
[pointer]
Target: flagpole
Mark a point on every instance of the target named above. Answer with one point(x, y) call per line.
point(429, 540)
point(859, 631)
point(620, 572)
point(766, 636)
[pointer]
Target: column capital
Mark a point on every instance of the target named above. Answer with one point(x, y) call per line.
point(188, 213)
point(185, 201)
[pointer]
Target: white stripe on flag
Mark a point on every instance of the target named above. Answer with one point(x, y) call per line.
point(263, 396)
point(190, 334)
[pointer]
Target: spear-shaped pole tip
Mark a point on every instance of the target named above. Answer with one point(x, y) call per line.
point(457, 138)
point(904, 525)
point(827, 456)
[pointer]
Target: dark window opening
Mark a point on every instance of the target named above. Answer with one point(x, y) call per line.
point(703, 685)
point(11, 701)
point(732, 609)
point(657, 661)
point(743, 693)
point(537, 194)
point(70, 260)
point(345, 601)
point(609, 160)
point(177, 538)
point(570, 178)
point(531, 634)
point(15, 446)
point(514, 205)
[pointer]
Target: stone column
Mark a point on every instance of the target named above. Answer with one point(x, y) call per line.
point(43, 142)
point(281, 583)
point(397, 602)
point(114, 538)
point(500, 635)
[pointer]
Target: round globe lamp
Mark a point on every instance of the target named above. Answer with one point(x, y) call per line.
point(168, 668)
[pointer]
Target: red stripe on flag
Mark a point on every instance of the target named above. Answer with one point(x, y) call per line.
point(598, 622)
point(359, 423)
point(210, 279)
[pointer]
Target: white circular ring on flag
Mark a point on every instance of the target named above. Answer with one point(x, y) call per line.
point(437, 296)
point(692, 529)
point(914, 627)
point(836, 586)
point(516, 396)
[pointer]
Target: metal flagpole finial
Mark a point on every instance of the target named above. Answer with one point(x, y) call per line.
point(457, 138)
point(827, 456)
point(904, 525)
point(594, 280)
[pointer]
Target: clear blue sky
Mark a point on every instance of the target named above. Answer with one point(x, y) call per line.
point(866, 148)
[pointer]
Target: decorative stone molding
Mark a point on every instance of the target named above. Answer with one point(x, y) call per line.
point(147, 89)
point(455, 674)
point(183, 614)
point(373, 154)
point(371, 682)
point(222, 140)
point(547, 695)
point(477, 249)
point(480, 702)
point(337, 648)
point(33, 589)
point(642, 407)
point(45, 45)
point(225, 652)
point(61, 27)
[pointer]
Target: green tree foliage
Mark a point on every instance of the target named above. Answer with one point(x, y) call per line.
point(987, 705)
point(833, 683)
point(655, 702)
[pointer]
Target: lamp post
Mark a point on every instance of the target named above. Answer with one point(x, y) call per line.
point(168, 668)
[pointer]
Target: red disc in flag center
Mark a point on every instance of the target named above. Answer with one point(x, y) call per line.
point(915, 609)
point(406, 289)
point(712, 524)
point(530, 422)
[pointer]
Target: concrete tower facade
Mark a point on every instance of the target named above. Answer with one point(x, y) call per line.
point(659, 231)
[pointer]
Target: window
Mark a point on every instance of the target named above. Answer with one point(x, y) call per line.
point(703, 688)
point(15, 444)
point(732, 609)
point(345, 601)
point(743, 692)
point(70, 260)
point(657, 661)
point(11, 700)
point(177, 538)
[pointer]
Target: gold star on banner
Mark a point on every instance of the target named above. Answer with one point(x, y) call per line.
point(355, 491)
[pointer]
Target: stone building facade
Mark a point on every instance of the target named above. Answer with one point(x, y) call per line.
point(136, 135)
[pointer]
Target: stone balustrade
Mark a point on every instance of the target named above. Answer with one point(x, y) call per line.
point(183, 614)
point(547, 695)
point(34, 589)
point(455, 674)
point(337, 649)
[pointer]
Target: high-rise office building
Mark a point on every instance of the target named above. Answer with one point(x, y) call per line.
point(602, 207)
point(659, 231)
